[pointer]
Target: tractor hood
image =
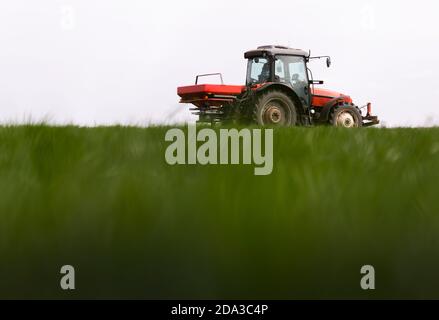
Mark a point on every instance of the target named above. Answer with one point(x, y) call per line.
point(323, 96)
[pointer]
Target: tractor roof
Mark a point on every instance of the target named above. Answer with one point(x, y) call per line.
point(275, 50)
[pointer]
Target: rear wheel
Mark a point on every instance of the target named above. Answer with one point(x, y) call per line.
point(275, 108)
point(346, 116)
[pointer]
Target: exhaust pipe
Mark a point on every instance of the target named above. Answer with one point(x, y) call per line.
point(369, 109)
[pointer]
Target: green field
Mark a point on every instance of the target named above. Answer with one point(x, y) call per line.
point(105, 201)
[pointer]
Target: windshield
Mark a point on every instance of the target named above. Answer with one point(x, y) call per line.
point(291, 70)
point(258, 71)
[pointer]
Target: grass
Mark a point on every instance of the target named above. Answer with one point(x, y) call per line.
point(105, 201)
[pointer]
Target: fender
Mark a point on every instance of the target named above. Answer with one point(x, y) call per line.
point(287, 89)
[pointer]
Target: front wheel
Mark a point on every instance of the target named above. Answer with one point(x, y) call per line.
point(346, 116)
point(275, 108)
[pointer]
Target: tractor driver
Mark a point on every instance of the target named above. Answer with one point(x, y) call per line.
point(265, 73)
point(296, 82)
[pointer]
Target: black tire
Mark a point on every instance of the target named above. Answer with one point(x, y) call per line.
point(275, 108)
point(346, 116)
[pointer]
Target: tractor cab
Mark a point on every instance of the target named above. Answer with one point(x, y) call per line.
point(277, 64)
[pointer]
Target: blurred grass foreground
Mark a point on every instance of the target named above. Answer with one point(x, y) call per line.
point(105, 201)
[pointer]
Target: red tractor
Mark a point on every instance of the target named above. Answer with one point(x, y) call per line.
point(279, 91)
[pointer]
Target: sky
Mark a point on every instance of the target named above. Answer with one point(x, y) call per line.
point(100, 62)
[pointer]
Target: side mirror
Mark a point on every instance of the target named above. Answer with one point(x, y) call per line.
point(328, 62)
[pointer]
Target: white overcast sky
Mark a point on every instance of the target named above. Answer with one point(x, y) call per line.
point(112, 61)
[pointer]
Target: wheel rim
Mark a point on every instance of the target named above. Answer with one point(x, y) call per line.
point(274, 114)
point(345, 119)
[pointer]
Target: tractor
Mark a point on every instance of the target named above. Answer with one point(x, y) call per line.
point(279, 91)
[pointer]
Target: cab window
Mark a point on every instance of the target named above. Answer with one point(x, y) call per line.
point(291, 70)
point(258, 70)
